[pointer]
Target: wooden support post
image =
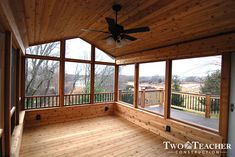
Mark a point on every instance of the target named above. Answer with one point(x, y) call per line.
point(136, 85)
point(167, 103)
point(92, 86)
point(161, 96)
point(17, 86)
point(62, 72)
point(7, 105)
point(119, 95)
point(116, 83)
point(142, 98)
point(224, 96)
point(23, 79)
point(208, 106)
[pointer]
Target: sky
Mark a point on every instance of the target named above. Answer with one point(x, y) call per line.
point(79, 49)
point(184, 67)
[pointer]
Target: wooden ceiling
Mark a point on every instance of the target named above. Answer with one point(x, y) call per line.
point(170, 21)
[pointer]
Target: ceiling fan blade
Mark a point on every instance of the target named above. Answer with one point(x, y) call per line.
point(111, 22)
point(94, 30)
point(124, 36)
point(136, 30)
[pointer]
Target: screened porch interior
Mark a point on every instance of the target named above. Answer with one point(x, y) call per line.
point(66, 90)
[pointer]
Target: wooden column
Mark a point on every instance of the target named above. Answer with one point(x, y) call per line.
point(17, 96)
point(168, 75)
point(7, 108)
point(92, 86)
point(161, 96)
point(62, 72)
point(116, 83)
point(142, 98)
point(23, 79)
point(136, 85)
point(224, 96)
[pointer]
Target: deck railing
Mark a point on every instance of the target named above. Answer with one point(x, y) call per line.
point(104, 97)
point(206, 104)
point(76, 99)
point(126, 96)
point(151, 97)
point(33, 102)
point(202, 103)
point(36, 102)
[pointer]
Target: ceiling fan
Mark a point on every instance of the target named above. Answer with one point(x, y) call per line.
point(116, 32)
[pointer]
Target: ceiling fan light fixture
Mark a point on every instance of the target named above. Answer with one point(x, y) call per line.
point(121, 42)
point(117, 35)
point(110, 41)
point(118, 44)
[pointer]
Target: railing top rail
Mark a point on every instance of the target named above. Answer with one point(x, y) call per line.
point(104, 93)
point(37, 96)
point(195, 94)
point(76, 94)
point(188, 93)
point(128, 92)
point(151, 90)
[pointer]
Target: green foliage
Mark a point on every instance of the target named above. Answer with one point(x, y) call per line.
point(128, 88)
point(128, 98)
point(176, 84)
point(212, 83)
point(176, 99)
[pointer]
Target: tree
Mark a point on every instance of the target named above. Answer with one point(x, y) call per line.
point(176, 84)
point(176, 99)
point(40, 74)
point(104, 78)
point(42, 78)
point(211, 83)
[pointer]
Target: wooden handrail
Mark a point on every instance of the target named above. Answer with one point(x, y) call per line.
point(40, 96)
point(186, 93)
point(76, 94)
point(104, 93)
point(152, 90)
point(128, 92)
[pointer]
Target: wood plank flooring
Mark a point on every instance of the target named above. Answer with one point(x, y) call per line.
point(96, 137)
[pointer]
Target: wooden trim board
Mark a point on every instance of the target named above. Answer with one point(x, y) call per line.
point(199, 48)
point(56, 115)
point(179, 132)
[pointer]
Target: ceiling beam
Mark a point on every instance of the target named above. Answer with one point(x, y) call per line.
point(209, 46)
point(10, 22)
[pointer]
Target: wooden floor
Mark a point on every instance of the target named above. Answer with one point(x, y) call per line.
point(98, 137)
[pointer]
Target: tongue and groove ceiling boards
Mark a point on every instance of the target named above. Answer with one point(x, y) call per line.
point(170, 21)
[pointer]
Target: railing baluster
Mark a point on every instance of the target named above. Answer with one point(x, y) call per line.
point(82, 102)
point(67, 101)
point(48, 101)
point(57, 100)
point(84, 98)
point(32, 104)
point(52, 101)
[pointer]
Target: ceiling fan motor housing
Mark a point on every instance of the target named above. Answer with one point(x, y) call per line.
point(117, 7)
